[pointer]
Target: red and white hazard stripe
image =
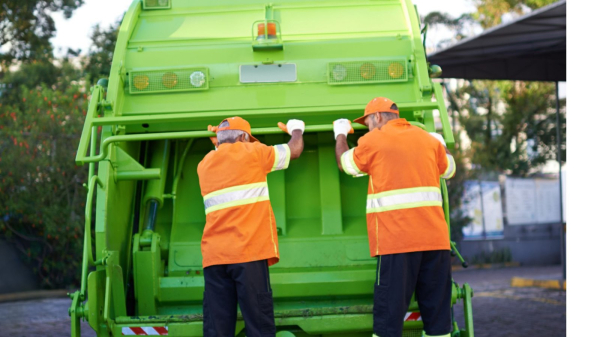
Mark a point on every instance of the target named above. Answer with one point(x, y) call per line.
point(145, 331)
point(412, 316)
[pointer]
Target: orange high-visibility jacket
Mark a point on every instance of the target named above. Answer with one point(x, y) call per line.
point(240, 225)
point(404, 202)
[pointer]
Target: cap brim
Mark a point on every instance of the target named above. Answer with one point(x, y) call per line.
point(252, 139)
point(361, 120)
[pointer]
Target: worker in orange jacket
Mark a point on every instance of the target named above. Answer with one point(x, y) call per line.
point(405, 220)
point(239, 242)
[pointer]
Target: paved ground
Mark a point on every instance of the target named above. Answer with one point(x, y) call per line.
point(45, 317)
point(499, 309)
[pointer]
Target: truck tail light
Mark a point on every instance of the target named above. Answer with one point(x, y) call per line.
point(169, 80)
point(197, 79)
point(367, 71)
point(395, 70)
point(141, 82)
point(271, 31)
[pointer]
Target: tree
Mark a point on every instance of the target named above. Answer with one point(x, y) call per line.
point(27, 25)
point(435, 19)
point(41, 194)
point(511, 125)
point(30, 75)
point(456, 188)
point(101, 52)
point(489, 12)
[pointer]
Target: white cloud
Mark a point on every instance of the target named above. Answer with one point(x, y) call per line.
point(453, 7)
point(75, 32)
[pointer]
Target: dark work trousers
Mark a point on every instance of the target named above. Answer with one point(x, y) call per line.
point(398, 276)
point(245, 283)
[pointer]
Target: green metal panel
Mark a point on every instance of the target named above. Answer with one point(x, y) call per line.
point(153, 122)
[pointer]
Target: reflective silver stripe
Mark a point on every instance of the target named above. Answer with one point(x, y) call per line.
point(451, 167)
point(404, 198)
point(282, 157)
point(236, 196)
point(349, 165)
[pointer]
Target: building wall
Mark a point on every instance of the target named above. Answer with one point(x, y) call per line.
point(15, 276)
point(528, 244)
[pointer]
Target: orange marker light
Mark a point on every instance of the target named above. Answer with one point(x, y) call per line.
point(271, 29)
point(367, 71)
point(169, 80)
point(395, 70)
point(141, 82)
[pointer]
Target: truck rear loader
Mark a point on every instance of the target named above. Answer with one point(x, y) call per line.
point(180, 65)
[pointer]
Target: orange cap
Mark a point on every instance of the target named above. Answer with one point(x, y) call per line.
point(377, 104)
point(236, 123)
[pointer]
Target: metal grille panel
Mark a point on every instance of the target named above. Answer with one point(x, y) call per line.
point(412, 333)
point(168, 80)
point(157, 4)
point(361, 72)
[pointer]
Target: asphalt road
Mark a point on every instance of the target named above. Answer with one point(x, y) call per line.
point(499, 309)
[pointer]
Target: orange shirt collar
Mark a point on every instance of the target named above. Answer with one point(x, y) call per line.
point(397, 122)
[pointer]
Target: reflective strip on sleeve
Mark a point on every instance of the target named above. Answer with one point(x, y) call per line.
point(404, 198)
point(282, 157)
point(349, 165)
point(236, 196)
point(451, 167)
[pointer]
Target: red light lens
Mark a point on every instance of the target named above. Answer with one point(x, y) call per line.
point(271, 27)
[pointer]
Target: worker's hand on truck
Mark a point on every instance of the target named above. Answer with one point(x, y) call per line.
point(342, 126)
point(292, 124)
point(296, 144)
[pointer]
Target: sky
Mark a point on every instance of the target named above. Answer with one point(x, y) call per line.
point(75, 32)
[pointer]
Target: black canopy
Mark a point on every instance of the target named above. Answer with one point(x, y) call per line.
point(531, 48)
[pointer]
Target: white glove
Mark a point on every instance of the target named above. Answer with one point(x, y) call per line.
point(438, 137)
point(294, 124)
point(342, 126)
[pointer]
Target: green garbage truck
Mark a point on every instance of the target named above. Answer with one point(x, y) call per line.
point(180, 65)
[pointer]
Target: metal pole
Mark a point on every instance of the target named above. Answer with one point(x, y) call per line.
point(482, 211)
point(563, 244)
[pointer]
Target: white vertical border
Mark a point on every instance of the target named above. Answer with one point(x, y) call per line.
point(583, 121)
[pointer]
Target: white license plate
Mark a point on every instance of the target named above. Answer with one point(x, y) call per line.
point(268, 73)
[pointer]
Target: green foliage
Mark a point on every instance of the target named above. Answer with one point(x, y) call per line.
point(31, 75)
point(511, 124)
point(489, 12)
point(497, 256)
point(42, 109)
point(456, 187)
point(28, 26)
point(101, 52)
point(41, 194)
point(434, 19)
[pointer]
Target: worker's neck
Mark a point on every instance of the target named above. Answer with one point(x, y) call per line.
point(229, 142)
point(385, 121)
